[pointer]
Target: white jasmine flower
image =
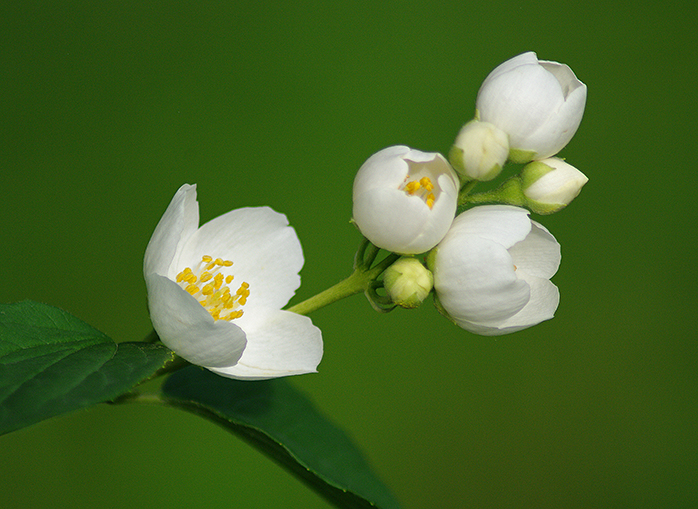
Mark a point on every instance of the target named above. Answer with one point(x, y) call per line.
point(492, 271)
point(539, 104)
point(215, 293)
point(404, 199)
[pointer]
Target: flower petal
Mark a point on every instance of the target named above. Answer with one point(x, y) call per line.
point(264, 249)
point(279, 343)
point(476, 281)
point(188, 329)
point(503, 224)
point(545, 298)
point(180, 221)
point(537, 255)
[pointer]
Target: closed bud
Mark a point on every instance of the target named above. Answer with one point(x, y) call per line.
point(551, 184)
point(408, 282)
point(480, 151)
point(538, 103)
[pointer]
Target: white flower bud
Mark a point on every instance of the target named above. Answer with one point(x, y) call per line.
point(408, 282)
point(492, 271)
point(539, 104)
point(480, 151)
point(404, 199)
point(551, 184)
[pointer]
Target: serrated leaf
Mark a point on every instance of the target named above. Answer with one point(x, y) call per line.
point(284, 424)
point(52, 363)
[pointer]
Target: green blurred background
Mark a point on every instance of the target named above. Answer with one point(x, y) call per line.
point(108, 107)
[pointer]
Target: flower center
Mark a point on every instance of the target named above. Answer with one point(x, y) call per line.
point(210, 288)
point(422, 188)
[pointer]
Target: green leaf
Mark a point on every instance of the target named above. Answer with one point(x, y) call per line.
point(52, 363)
point(284, 424)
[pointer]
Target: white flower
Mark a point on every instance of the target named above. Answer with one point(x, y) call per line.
point(215, 293)
point(480, 151)
point(551, 184)
point(404, 199)
point(539, 104)
point(492, 271)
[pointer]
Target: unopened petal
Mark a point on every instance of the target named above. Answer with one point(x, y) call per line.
point(187, 328)
point(503, 224)
point(281, 344)
point(476, 281)
point(539, 254)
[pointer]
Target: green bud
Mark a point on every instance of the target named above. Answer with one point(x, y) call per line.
point(408, 282)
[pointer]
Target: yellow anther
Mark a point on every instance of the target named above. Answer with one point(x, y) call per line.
point(426, 183)
point(430, 200)
point(412, 187)
point(216, 296)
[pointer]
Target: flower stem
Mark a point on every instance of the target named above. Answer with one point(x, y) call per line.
point(359, 281)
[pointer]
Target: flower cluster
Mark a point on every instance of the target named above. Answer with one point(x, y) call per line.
point(216, 292)
point(490, 265)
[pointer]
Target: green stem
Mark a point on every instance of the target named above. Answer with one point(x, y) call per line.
point(359, 281)
point(509, 192)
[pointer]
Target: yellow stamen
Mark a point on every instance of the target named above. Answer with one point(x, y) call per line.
point(215, 296)
point(426, 183)
point(412, 187)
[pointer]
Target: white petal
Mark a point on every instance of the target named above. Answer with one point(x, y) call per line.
point(476, 282)
point(180, 221)
point(265, 252)
point(385, 168)
point(545, 298)
point(188, 329)
point(539, 254)
point(503, 224)
point(528, 58)
point(401, 223)
point(282, 344)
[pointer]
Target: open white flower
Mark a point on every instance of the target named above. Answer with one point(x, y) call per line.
point(539, 104)
point(215, 293)
point(405, 199)
point(492, 270)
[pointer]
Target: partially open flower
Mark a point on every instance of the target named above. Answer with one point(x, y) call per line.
point(404, 199)
point(551, 184)
point(492, 271)
point(215, 293)
point(539, 104)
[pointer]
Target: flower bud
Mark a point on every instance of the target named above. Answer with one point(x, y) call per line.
point(492, 271)
point(408, 282)
point(539, 104)
point(551, 184)
point(404, 199)
point(480, 151)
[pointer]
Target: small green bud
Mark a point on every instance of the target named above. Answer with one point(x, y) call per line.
point(408, 282)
